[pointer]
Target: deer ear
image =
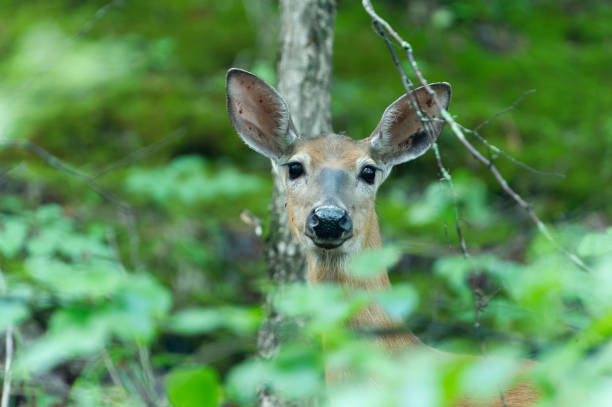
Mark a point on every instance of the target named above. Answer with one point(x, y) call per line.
point(259, 114)
point(400, 136)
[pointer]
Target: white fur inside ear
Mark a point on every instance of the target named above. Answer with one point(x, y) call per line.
point(400, 135)
point(390, 117)
point(259, 114)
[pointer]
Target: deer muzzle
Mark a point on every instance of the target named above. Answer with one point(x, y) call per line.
point(329, 226)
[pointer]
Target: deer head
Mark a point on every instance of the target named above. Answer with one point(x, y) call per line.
point(331, 180)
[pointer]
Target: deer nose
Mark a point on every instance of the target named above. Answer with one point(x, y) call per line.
point(329, 223)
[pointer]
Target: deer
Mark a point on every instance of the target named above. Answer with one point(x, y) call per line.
point(331, 183)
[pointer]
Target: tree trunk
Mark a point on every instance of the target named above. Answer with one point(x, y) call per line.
point(304, 79)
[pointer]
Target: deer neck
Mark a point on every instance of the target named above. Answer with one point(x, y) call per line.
point(335, 270)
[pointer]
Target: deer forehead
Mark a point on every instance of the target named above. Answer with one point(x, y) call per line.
point(334, 151)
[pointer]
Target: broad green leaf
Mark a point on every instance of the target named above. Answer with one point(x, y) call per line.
point(193, 387)
point(596, 244)
point(295, 373)
point(188, 181)
point(12, 235)
point(140, 304)
point(245, 379)
point(12, 313)
point(201, 320)
point(398, 302)
point(73, 332)
point(326, 306)
point(60, 238)
point(486, 375)
point(372, 262)
point(48, 213)
point(91, 279)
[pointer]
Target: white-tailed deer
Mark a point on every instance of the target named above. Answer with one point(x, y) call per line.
point(331, 183)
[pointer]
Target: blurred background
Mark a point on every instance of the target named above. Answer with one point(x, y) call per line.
point(122, 181)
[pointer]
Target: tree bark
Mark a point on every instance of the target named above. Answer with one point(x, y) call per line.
point(304, 80)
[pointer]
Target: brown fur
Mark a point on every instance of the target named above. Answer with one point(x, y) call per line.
point(342, 152)
point(332, 165)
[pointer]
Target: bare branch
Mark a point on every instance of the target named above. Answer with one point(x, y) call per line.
point(58, 164)
point(140, 154)
point(497, 150)
point(512, 106)
point(89, 24)
point(112, 370)
point(253, 221)
point(8, 360)
point(145, 364)
point(8, 355)
point(457, 130)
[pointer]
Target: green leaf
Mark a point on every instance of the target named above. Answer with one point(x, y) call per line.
point(12, 236)
point(596, 244)
point(193, 387)
point(187, 180)
point(141, 302)
point(442, 18)
point(244, 379)
point(400, 301)
point(372, 262)
point(91, 279)
point(12, 313)
point(326, 306)
point(73, 332)
point(485, 376)
point(196, 321)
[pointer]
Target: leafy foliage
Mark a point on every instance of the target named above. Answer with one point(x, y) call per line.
point(158, 302)
point(195, 387)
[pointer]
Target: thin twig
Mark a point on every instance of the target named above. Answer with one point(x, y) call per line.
point(447, 177)
point(129, 221)
point(143, 353)
point(89, 24)
point(456, 128)
point(8, 360)
point(145, 363)
point(58, 164)
point(140, 153)
point(112, 370)
point(497, 150)
point(253, 221)
point(142, 392)
point(512, 106)
point(4, 175)
point(450, 245)
point(408, 86)
point(8, 355)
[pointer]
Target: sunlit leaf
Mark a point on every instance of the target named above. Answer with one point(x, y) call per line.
point(372, 262)
point(12, 313)
point(202, 320)
point(188, 181)
point(193, 387)
point(13, 232)
point(487, 375)
point(141, 304)
point(245, 380)
point(596, 244)
point(73, 332)
point(325, 306)
point(93, 279)
point(398, 302)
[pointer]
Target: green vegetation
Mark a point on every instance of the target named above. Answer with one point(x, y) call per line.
point(130, 279)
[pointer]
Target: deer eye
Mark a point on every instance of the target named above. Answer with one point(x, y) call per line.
point(367, 174)
point(295, 169)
